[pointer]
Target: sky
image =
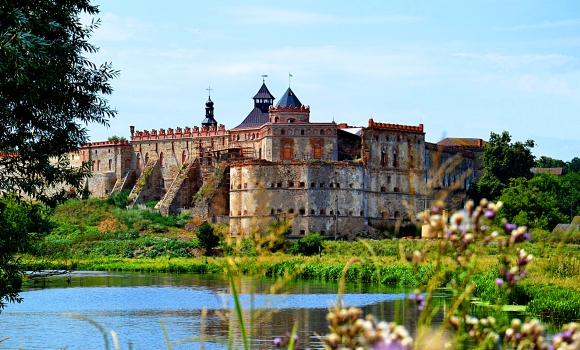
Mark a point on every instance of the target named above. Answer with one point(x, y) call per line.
point(461, 68)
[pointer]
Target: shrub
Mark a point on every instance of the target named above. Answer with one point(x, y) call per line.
point(207, 238)
point(309, 245)
point(119, 200)
point(151, 204)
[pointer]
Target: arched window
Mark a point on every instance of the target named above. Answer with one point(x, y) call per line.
point(317, 151)
point(275, 119)
point(302, 132)
point(183, 156)
point(282, 132)
point(146, 158)
point(138, 160)
point(161, 160)
point(287, 152)
point(111, 164)
point(321, 132)
point(395, 164)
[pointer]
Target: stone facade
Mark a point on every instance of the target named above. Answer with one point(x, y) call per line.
point(327, 178)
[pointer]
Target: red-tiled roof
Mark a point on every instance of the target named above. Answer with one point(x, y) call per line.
point(463, 142)
point(553, 171)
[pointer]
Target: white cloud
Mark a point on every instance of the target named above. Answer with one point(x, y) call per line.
point(554, 63)
point(267, 15)
point(546, 24)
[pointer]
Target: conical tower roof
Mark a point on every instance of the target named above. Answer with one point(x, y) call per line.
point(263, 92)
point(289, 99)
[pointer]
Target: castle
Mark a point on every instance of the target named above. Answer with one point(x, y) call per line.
point(327, 178)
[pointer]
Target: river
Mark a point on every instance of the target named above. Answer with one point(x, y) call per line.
point(139, 306)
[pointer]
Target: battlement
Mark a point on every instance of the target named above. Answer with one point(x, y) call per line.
point(289, 109)
point(395, 127)
point(179, 133)
point(106, 143)
point(8, 154)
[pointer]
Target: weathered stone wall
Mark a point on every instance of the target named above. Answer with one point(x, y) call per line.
point(312, 195)
point(110, 161)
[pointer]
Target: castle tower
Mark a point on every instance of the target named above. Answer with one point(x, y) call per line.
point(263, 99)
point(259, 115)
point(209, 118)
point(289, 110)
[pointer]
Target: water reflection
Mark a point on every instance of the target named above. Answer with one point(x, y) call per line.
point(133, 304)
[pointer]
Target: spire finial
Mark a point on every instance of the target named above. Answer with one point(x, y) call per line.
point(264, 76)
point(209, 89)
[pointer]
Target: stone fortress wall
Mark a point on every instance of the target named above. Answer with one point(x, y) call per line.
point(278, 165)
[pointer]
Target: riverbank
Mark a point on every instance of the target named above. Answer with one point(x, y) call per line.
point(551, 289)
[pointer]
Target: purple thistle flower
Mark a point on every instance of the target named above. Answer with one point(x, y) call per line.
point(510, 227)
point(499, 281)
point(527, 236)
point(489, 214)
point(567, 334)
point(278, 341)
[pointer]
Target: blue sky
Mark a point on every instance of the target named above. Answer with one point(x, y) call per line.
point(462, 68)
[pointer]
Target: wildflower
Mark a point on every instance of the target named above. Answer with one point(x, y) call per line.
point(499, 281)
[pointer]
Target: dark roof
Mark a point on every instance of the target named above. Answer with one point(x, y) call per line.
point(264, 92)
point(209, 121)
point(255, 119)
point(289, 99)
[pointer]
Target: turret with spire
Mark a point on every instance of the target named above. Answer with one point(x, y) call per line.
point(209, 118)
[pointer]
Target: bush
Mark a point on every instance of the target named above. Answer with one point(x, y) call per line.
point(151, 204)
point(207, 238)
point(308, 245)
point(119, 200)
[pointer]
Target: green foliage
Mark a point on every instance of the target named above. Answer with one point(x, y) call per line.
point(151, 204)
point(116, 138)
point(241, 247)
point(119, 200)
point(574, 165)
point(530, 203)
point(207, 238)
point(19, 223)
point(548, 162)
point(502, 161)
point(174, 220)
point(49, 91)
point(551, 303)
point(309, 245)
point(88, 212)
point(385, 247)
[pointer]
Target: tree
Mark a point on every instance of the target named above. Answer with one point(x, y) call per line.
point(569, 200)
point(502, 161)
point(207, 238)
point(48, 92)
point(17, 222)
point(525, 204)
point(548, 162)
point(116, 138)
point(574, 165)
